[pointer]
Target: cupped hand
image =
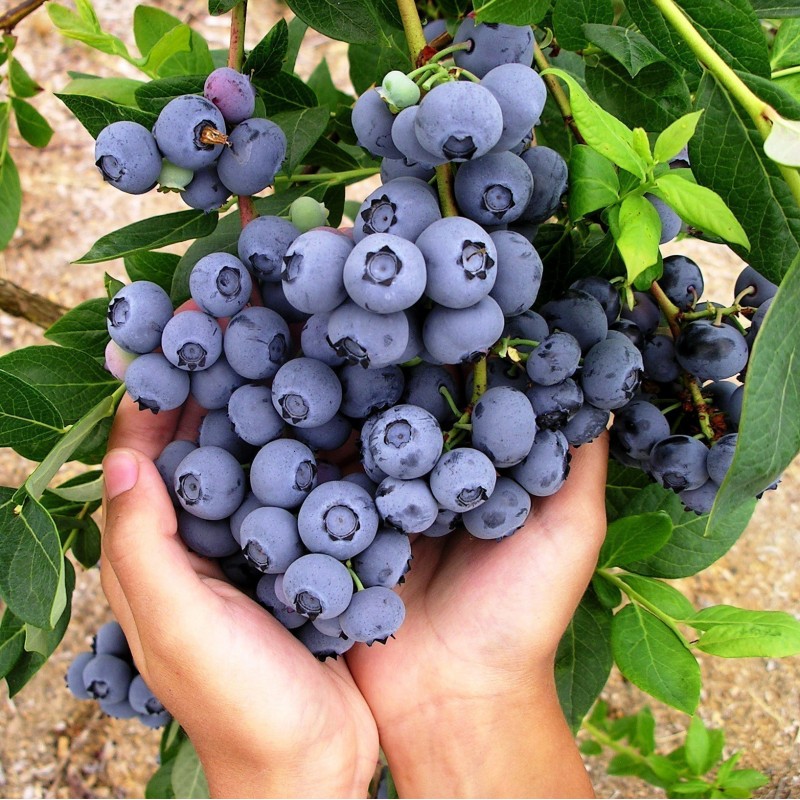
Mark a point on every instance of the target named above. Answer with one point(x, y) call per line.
point(267, 718)
point(470, 672)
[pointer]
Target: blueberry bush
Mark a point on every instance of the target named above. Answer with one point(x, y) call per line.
point(500, 299)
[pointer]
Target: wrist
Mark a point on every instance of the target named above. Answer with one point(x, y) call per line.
point(234, 769)
point(506, 742)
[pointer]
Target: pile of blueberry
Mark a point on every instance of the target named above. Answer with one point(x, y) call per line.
point(706, 346)
point(308, 343)
point(107, 674)
point(208, 147)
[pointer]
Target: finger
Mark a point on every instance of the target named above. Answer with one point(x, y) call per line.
point(576, 514)
point(147, 432)
point(141, 543)
point(122, 611)
point(189, 425)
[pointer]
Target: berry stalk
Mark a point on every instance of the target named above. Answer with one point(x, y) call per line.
point(672, 313)
point(247, 211)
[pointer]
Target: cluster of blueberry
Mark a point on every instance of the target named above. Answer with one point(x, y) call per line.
point(107, 674)
point(483, 124)
point(207, 147)
point(706, 343)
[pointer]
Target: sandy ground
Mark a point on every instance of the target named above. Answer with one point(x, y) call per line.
point(54, 746)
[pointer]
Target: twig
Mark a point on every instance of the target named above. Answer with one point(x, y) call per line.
point(553, 86)
point(9, 19)
point(27, 305)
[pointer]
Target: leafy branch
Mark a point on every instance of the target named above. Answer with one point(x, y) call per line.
point(763, 115)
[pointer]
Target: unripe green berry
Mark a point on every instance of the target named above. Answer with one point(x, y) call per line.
point(399, 91)
point(306, 213)
point(173, 178)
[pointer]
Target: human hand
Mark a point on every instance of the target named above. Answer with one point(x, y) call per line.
point(465, 697)
point(266, 718)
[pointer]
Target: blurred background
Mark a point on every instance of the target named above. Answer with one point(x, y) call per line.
point(54, 746)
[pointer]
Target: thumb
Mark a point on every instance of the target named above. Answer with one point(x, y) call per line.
point(140, 539)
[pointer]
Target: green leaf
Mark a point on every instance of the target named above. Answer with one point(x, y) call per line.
point(672, 140)
point(302, 129)
point(29, 422)
point(29, 663)
point(267, 57)
point(653, 658)
point(569, 17)
point(740, 633)
point(188, 779)
point(697, 747)
point(700, 207)
point(86, 546)
point(10, 199)
point(22, 85)
point(511, 12)
point(600, 130)
point(85, 28)
point(635, 537)
point(156, 267)
point(84, 488)
point(732, 28)
point(325, 153)
point(284, 92)
point(149, 26)
point(94, 113)
point(70, 379)
point(83, 327)
point(656, 97)
point(112, 285)
point(768, 9)
point(593, 182)
point(727, 156)
point(12, 641)
point(121, 91)
point(218, 7)
point(226, 235)
point(33, 127)
point(180, 51)
point(649, 21)
point(729, 26)
point(786, 47)
point(345, 20)
point(637, 230)
point(626, 45)
point(31, 564)
point(371, 60)
point(743, 782)
point(153, 96)
point(150, 234)
point(583, 660)
point(665, 597)
point(297, 31)
point(694, 544)
point(160, 784)
point(321, 83)
point(769, 433)
point(172, 737)
point(78, 434)
point(607, 593)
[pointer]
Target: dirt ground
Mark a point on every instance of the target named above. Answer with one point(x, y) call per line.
point(54, 746)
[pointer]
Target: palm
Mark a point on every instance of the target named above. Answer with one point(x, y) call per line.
point(478, 610)
point(214, 653)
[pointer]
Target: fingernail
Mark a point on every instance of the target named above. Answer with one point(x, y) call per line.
point(121, 471)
